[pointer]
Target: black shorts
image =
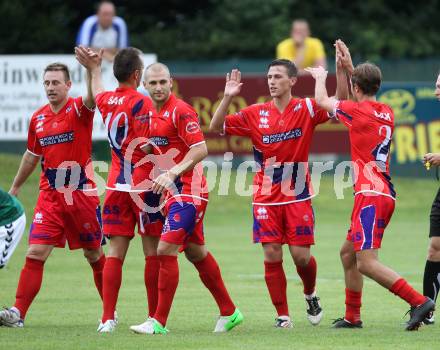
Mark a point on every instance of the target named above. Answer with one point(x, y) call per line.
point(434, 227)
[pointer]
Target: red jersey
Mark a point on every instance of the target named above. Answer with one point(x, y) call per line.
point(281, 143)
point(64, 142)
point(174, 131)
point(125, 113)
point(371, 126)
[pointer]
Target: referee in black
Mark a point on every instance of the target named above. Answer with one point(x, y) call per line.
point(431, 277)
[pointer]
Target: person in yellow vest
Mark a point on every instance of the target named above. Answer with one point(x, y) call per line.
point(301, 48)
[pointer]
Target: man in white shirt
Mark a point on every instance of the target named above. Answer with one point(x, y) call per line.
point(104, 30)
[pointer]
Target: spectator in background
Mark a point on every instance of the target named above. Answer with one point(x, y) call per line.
point(302, 49)
point(104, 31)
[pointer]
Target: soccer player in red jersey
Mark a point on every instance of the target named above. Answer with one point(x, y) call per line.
point(67, 209)
point(281, 132)
point(370, 124)
point(180, 146)
point(128, 202)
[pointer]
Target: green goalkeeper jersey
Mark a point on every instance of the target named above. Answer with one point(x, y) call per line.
point(10, 208)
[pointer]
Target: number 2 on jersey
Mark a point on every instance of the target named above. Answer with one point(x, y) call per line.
point(382, 150)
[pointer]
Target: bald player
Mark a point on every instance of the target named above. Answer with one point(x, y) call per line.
point(175, 131)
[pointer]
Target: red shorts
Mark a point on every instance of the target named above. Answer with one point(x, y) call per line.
point(370, 217)
point(122, 212)
point(291, 223)
point(184, 222)
point(55, 221)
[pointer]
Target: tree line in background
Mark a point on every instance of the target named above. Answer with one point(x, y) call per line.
point(219, 29)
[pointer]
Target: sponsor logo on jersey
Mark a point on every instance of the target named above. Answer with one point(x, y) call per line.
point(264, 123)
point(283, 136)
point(262, 213)
point(38, 218)
point(159, 140)
point(192, 127)
point(115, 100)
point(56, 139)
point(384, 116)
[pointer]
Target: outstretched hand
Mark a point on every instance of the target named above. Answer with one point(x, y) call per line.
point(88, 58)
point(317, 73)
point(233, 83)
point(343, 56)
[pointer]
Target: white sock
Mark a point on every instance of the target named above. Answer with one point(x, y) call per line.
point(310, 296)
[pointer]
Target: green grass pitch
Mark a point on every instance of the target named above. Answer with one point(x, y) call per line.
point(66, 311)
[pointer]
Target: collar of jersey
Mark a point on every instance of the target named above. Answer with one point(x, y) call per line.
point(291, 102)
point(62, 110)
point(171, 99)
point(125, 88)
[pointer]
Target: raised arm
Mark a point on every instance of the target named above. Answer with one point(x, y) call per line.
point(28, 163)
point(92, 62)
point(321, 96)
point(344, 70)
point(342, 92)
point(89, 99)
point(232, 88)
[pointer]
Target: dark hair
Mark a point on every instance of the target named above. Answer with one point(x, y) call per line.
point(57, 66)
point(126, 62)
point(368, 77)
point(292, 71)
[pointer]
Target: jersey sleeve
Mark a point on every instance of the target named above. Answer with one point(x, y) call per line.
point(122, 32)
point(141, 111)
point(344, 111)
point(187, 123)
point(238, 123)
point(317, 114)
point(33, 144)
point(99, 100)
point(84, 36)
point(285, 49)
point(319, 52)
